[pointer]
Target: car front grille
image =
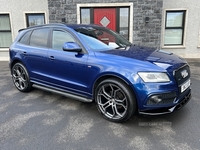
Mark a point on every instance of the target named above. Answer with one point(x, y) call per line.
point(182, 75)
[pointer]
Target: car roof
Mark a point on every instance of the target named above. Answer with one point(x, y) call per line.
point(75, 26)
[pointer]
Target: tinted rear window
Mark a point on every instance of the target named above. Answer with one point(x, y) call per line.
point(25, 38)
point(39, 38)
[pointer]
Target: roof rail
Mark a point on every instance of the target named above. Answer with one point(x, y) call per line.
point(44, 25)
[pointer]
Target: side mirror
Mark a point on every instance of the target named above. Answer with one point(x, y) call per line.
point(71, 47)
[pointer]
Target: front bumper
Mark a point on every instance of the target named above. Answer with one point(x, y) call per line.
point(166, 110)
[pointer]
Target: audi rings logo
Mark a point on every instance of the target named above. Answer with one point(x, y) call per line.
point(184, 73)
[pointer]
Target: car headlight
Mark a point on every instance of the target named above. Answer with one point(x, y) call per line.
point(154, 76)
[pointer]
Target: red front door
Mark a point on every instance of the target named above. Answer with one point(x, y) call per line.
point(105, 17)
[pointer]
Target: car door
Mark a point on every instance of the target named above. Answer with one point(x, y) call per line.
point(67, 70)
point(35, 53)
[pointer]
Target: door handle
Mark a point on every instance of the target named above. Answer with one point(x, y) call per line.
point(24, 53)
point(52, 57)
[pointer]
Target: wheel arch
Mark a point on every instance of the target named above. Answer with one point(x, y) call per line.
point(17, 61)
point(14, 62)
point(107, 76)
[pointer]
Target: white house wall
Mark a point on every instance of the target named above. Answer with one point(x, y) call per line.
point(191, 46)
point(17, 10)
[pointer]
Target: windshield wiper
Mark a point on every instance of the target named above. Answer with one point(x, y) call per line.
point(123, 47)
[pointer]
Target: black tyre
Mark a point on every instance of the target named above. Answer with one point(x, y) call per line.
point(20, 78)
point(114, 100)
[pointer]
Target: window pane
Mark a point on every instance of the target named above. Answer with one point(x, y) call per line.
point(39, 38)
point(174, 19)
point(4, 22)
point(85, 16)
point(173, 36)
point(35, 19)
point(5, 31)
point(124, 22)
point(5, 39)
point(59, 38)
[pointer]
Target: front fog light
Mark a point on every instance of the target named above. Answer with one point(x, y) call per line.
point(161, 99)
point(156, 99)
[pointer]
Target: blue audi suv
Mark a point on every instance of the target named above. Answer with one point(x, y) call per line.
point(93, 63)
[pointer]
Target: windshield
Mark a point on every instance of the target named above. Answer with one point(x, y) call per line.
point(100, 38)
point(94, 43)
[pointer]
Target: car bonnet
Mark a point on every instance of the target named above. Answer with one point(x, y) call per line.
point(163, 59)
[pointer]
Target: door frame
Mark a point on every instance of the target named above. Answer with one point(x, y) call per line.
point(130, 5)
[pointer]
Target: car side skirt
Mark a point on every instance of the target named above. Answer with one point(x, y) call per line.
point(62, 92)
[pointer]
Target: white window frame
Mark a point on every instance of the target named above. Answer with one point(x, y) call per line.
point(46, 21)
point(183, 46)
point(110, 5)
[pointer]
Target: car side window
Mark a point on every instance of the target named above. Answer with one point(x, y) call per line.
point(59, 38)
point(25, 38)
point(39, 37)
